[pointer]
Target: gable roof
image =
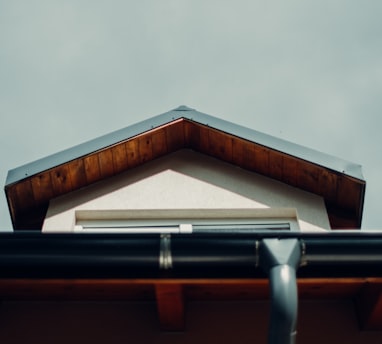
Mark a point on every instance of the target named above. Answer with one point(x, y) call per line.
point(30, 187)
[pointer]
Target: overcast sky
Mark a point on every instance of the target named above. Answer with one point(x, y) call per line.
point(306, 71)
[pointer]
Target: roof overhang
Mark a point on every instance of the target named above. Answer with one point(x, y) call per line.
point(29, 188)
point(209, 266)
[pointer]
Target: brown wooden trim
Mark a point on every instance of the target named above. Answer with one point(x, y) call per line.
point(61, 181)
point(106, 165)
point(159, 142)
point(349, 190)
point(92, 169)
point(341, 218)
point(42, 187)
point(77, 173)
point(308, 287)
point(369, 305)
point(327, 185)
point(192, 135)
point(175, 136)
point(170, 306)
point(342, 194)
point(276, 165)
point(220, 145)
point(242, 154)
point(145, 149)
point(119, 158)
point(24, 194)
point(290, 170)
point(307, 176)
point(132, 153)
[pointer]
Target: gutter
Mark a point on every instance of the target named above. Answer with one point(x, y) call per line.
point(280, 255)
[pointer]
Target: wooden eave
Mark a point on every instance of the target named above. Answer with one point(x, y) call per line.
point(30, 188)
point(172, 295)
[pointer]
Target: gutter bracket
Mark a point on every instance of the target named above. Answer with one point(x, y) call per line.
point(279, 258)
point(165, 255)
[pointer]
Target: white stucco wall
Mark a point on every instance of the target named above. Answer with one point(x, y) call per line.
point(188, 180)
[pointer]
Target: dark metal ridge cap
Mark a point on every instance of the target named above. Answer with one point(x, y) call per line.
point(310, 155)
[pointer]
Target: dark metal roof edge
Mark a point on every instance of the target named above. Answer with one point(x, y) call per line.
point(83, 149)
point(88, 147)
point(361, 205)
point(308, 154)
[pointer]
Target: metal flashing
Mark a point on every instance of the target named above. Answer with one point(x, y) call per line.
point(336, 164)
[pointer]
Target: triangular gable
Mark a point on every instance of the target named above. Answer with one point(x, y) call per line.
point(29, 188)
point(183, 183)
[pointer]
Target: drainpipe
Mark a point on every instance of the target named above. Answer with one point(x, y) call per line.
point(356, 254)
point(279, 258)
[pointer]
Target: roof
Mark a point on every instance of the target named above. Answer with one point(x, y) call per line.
point(30, 187)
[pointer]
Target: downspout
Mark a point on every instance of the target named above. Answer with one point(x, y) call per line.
point(279, 258)
point(37, 255)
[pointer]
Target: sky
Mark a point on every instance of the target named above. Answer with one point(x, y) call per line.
point(305, 71)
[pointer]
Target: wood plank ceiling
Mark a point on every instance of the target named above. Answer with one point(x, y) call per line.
point(172, 295)
point(28, 198)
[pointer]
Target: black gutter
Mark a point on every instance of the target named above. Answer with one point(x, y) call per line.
point(332, 254)
point(278, 254)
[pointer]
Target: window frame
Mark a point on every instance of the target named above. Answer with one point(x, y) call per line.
point(184, 220)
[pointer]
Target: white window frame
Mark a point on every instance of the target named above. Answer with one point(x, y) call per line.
point(182, 220)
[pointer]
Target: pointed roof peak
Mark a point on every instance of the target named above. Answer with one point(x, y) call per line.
point(339, 182)
point(183, 108)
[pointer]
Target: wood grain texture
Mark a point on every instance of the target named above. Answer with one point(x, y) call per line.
point(61, 181)
point(327, 184)
point(343, 195)
point(106, 164)
point(220, 145)
point(92, 170)
point(307, 176)
point(243, 154)
point(119, 154)
point(175, 136)
point(276, 165)
point(132, 153)
point(203, 145)
point(192, 135)
point(77, 174)
point(347, 191)
point(171, 295)
point(42, 187)
point(290, 171)
point(24, 194)
point(159, 142)
point(261, 159)
point(145, 149)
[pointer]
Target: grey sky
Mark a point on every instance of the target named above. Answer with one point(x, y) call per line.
point(306, 71)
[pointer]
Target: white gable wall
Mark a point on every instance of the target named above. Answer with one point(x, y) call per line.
point(188, 180)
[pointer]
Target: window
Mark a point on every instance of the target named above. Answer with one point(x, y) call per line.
point(185, 221)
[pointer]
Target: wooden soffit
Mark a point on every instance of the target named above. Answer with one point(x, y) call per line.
point(172, 295)
point(30, 188)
